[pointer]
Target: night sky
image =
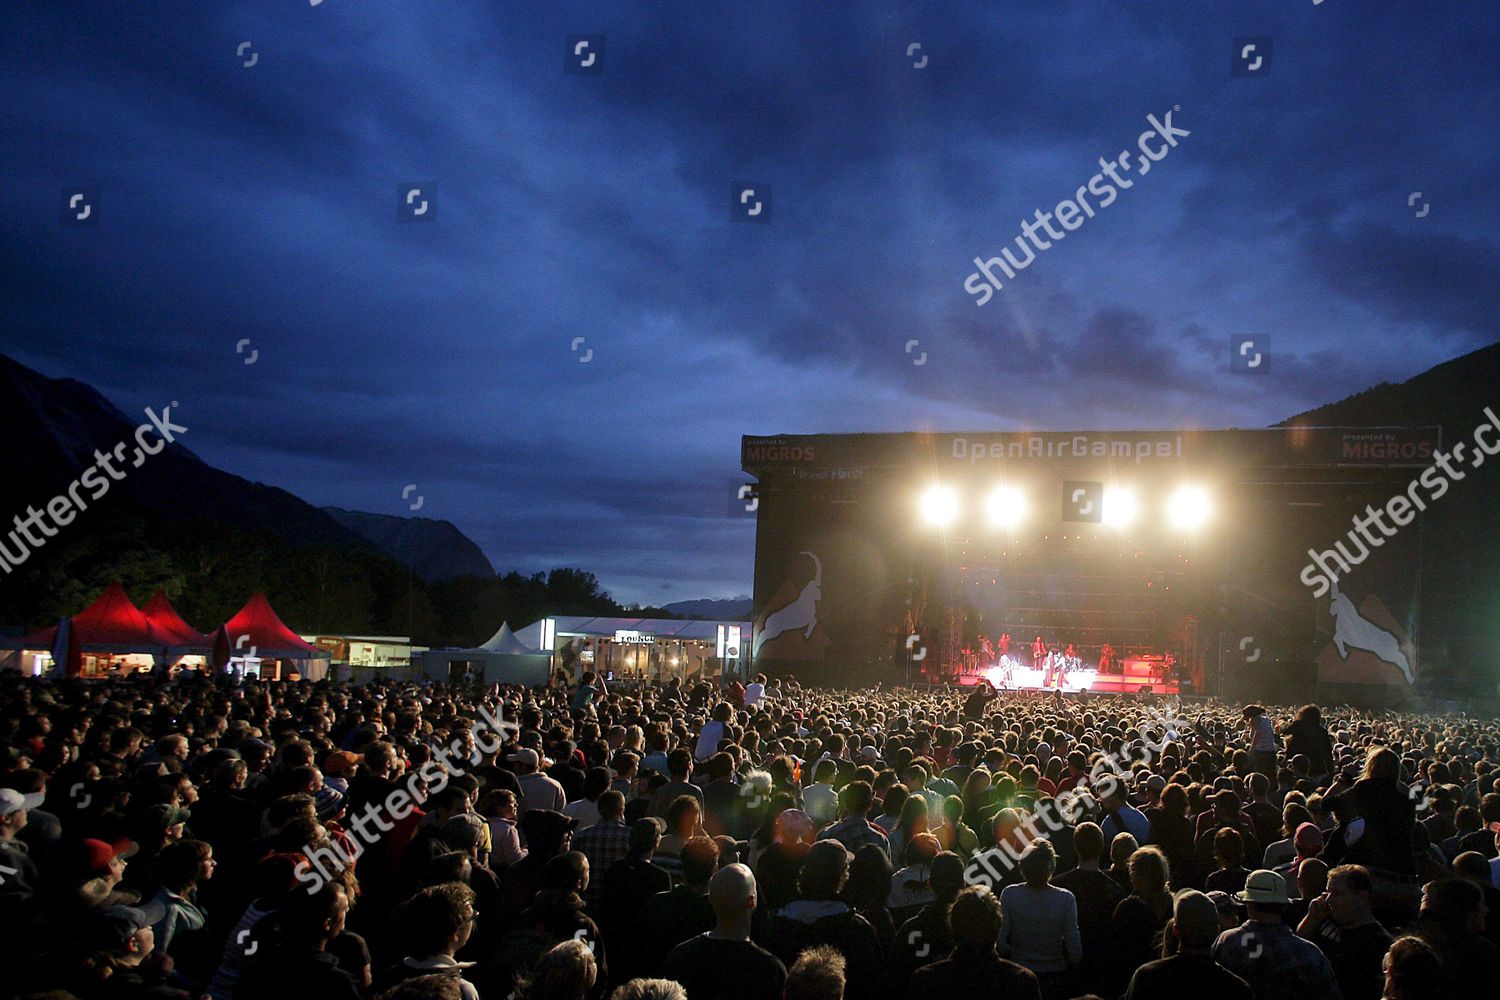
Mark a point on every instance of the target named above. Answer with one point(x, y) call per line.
point(263, 202)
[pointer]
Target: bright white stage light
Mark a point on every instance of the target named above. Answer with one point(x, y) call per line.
point(1188, 508)
point(1120, 507)
point(1006, 507)
point(939, 506)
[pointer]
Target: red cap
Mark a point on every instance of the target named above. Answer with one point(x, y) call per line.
point(96, 855)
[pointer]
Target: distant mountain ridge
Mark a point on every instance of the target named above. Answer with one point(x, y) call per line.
point(54, 426)
point(714, 609)
point(434, 550)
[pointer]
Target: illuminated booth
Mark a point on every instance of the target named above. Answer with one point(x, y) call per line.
point(110, 636)
point(656, 649)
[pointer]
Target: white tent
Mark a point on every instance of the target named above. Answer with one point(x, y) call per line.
point(503, 659)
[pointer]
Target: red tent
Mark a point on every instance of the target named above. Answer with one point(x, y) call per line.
point(185, 638)
point(258, 626)
point(112, 624)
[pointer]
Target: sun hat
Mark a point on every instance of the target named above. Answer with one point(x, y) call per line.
point(1264, 886)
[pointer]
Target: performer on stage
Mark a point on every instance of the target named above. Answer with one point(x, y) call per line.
point(986, 651)
point(1038, 653)
point(1005, 644)
point(1070, 652)
point(1106, 659)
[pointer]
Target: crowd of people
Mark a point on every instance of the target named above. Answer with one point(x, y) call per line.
point(194, 836)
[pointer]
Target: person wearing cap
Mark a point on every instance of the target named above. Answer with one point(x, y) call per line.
point(1264, 951)
point(124, 935)
point(19, 877)
point(538, 790)
point(100, 866)
point(1190, 970)
point(723, 962)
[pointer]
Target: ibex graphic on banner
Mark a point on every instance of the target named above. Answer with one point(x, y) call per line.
point(1350, 629)
point(801, 614)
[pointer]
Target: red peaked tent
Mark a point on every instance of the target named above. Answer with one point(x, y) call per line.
point(185, 638)
point(257, 625)
point(112, 624)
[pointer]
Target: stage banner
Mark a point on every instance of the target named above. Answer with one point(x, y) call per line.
point(1366, 630)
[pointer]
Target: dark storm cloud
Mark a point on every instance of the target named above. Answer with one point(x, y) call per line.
point(259, 204)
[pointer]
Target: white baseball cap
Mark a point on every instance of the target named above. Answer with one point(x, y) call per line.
point(12, 801)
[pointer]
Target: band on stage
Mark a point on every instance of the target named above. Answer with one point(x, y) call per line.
point(1058, 663)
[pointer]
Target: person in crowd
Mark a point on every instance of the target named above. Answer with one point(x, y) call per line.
point(1341, 922)
point(1189, 969)
point(820, 973)
point(1040, 922)
point(435, 924)
point(629, 884)
point(1122, 847)
point(1451, 921)
point(568, 971)
point(1307, 737)
point(724, 962)
point(854, 829)
point(684, 911)
point(820, 800)
point(1264, 951)
point(586, 808)
point(1260, 734)
point(1229, 852)
point(924, 937)
point(1413, 971)
point(820, 917)
point(180, 869)
point(975, 967)
point(298, 961)
point(1097, 897)
point(538, 790)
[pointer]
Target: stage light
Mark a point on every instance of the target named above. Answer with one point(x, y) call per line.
point(1006, 507)
point(939, 506)
point(1188, 508)
point(1119, 507)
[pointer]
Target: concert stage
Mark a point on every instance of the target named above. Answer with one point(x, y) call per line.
point(1011, 675)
